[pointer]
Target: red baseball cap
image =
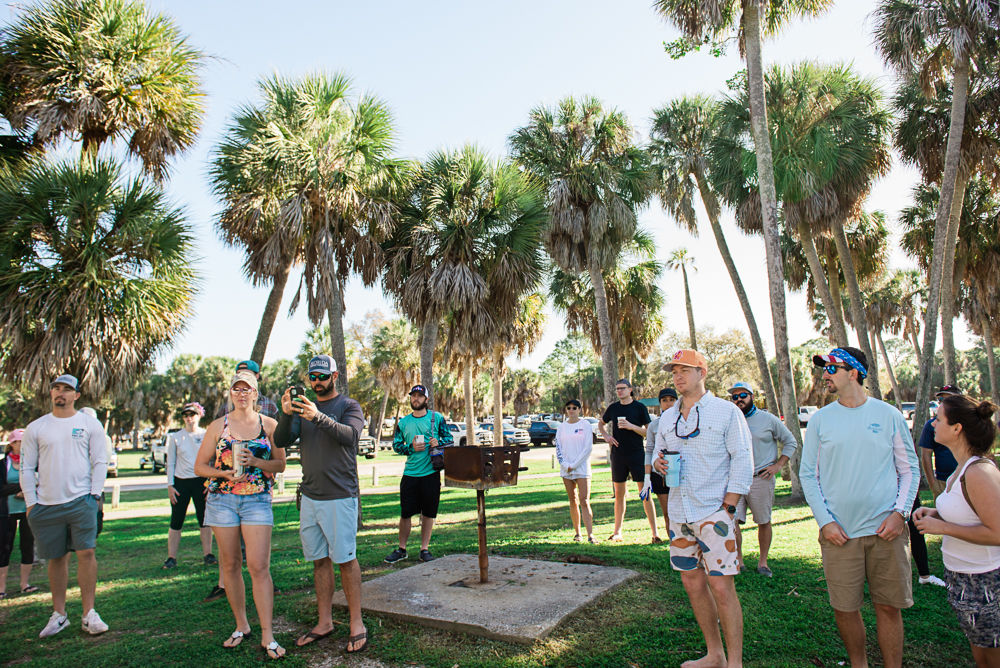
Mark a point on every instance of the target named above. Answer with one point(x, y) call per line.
point(686, 357)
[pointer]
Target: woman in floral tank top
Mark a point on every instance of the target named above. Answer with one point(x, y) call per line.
point(242, 505)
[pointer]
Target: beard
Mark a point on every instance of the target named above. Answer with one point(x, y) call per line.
point(323, 389)
point(746, 409)
point(418, 404)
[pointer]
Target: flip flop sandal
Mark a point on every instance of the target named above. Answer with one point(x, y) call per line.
point(237, 635)
point(578, 538)
point(30, 589)
point(354, 639)
point(615, 538)
point(3, 595)
point(311, 638)
point(273, 646)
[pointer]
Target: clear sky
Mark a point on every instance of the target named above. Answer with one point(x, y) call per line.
point(457, 72)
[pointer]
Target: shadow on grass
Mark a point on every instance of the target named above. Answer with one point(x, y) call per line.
point(157, 617)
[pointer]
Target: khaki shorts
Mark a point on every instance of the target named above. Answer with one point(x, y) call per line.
point(760, 499)
point(884, 564)
point(709, 543)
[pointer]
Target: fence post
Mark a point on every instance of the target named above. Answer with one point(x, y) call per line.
point(281, 483)
point(116, 495)
point(374, 475)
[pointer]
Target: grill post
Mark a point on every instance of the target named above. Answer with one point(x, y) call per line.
point(484, 559)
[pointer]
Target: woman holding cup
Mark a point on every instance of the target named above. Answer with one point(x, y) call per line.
point(574, 441)
point(237, 457)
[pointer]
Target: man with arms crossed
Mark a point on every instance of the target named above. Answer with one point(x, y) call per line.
point(328, 432)
point(64, 463)
point(766, 430)
point(654, 483)
point(628, 419)
point(716, 470)
point(420, 486)
point(859, 474)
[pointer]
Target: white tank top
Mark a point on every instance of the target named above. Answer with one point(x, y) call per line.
point(958, 555)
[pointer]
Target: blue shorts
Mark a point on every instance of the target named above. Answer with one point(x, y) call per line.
point(329, 529)
point(233, 510)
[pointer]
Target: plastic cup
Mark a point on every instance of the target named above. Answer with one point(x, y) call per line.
point(621, 420)
point(672, 478)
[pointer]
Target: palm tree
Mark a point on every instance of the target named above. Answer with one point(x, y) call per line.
point(633, 292)
point(920, 38)
point(526, 388)
point(701, 20)
point(830, 135)
point(679, 144)
point(103, 69)
point(920, 138)
point(681, 258)
point(396, 363)
point(467, 246)
point(596, 178)
point(884, 311)
point(96, 275)
point(308, 177)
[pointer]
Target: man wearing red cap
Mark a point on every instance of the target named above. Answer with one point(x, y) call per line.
point(716, 469)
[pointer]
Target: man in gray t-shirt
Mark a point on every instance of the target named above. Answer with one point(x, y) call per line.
point(767, 431)
point(328, 433)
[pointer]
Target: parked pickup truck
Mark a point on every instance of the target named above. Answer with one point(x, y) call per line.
point(543, 431)
point(805, 412)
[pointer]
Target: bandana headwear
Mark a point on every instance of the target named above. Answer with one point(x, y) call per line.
point(839, 355)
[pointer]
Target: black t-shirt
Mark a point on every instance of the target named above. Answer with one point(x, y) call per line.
point(629, 442)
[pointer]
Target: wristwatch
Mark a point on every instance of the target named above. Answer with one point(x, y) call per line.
point(729, 509)
point(904, 515)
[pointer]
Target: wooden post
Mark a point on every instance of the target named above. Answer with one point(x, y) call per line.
point(280, 479)
point(116, 495)
point(374, 475)
point(553, 461)
point(484, 560)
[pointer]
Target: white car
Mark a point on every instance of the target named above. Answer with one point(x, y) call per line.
point(806, 412)
point(458, 431)
point(597, 432)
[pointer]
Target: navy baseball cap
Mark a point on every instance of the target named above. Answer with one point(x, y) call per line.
point(322, 364)
point(419, 389)
point(249, 365)
point(668, 392)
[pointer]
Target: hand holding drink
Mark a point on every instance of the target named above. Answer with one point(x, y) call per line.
point(672, 475)
point(418, 443)
point(621, 422)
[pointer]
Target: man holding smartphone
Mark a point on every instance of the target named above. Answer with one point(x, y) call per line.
point(328, 432)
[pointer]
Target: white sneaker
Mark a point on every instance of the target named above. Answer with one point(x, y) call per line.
point(931, 579)
point(56, 624)
point(93, 624)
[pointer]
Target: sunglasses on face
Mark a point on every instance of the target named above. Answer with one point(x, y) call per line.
point(187, 415)
point(319, 376)
point(572, 408)
point(241, 390)
point(741, 395)
point(833, 368)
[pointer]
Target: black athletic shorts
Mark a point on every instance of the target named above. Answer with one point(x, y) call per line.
point(420, 495)
point(624, 464)
point(659, 487)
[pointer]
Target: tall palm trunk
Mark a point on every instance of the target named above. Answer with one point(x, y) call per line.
point(335, 314)
point(914, 338)
point(951, 276)
point(470, 418)
point(376, 428)
point(270, 313)
point(833, 282)
point(877, 334)
point(991, 360)
point(741, 294)
point(609, 361)
point(690, 309)
point(837, 328)
point(769, 211)
point(857, 306)
point(953, 154)
point(497, 395)
point(428, 341)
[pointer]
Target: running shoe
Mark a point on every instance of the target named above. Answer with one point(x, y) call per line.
point(425, 556)
point(169, 563)
point(931, 580)
point(216, 593)
point(399, 554)
point(210, 559)
point(56, 624)
point(93, 624)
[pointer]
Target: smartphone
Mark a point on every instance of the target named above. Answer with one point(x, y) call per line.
point(296, 391)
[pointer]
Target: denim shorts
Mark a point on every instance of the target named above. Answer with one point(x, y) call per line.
point(233, 510)
point(329, 529)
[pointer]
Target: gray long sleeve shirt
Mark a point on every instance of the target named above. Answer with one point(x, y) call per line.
point(328, 446)
point(767, 430)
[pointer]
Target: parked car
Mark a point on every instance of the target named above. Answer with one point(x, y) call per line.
point(511, 434)
point(112, 458)
point(909, 407)
point(458, 433)
point(597, 432)
point(157, 457)
point(805, 412)
point(366, 446)
point(543, 431)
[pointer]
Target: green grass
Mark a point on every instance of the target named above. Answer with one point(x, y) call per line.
point(156, 617)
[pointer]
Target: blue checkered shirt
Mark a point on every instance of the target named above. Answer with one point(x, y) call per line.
point(718, 461)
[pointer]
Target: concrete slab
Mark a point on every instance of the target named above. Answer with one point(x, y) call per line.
point(523, 601)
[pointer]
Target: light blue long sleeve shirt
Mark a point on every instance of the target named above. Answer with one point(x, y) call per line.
point(858, 466)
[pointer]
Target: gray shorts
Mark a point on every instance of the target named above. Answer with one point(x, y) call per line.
point(329, 529)
point(760, 499)
point(64, 527)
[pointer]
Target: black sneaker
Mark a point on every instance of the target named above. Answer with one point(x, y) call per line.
point(216, 593)
point(397, 555)
point(425, 556)
point(210, 559)
point(169, 563)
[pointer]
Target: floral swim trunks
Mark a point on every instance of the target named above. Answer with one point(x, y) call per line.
point(711, 541)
